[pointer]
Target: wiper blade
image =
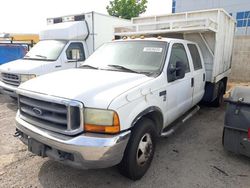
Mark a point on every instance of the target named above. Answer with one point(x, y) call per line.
point(148, 73)
point(42, 56)
point(88, 66)
point(123, 68)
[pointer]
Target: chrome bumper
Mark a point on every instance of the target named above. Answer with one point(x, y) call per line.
point(89, 150)
point(8, 89)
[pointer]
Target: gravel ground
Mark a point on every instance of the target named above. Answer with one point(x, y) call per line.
point(192, 157)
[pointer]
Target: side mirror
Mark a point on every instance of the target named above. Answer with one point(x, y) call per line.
point(74, 55)
point(177, 72)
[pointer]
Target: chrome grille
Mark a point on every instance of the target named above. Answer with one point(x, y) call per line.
point(64, 117)
point(11, 79)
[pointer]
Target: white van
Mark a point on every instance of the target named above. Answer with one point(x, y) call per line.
point(65, 43)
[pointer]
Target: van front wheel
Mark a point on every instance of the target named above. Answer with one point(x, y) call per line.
point(140, 150)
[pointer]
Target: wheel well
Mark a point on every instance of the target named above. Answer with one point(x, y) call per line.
point(156, 116)
point(224, 80)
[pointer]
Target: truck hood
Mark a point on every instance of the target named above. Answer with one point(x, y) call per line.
point(95, 88)
point(25, 66)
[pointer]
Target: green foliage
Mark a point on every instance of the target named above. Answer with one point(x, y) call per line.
point(126, 8)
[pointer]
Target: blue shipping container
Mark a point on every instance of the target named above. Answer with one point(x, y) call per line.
point(11, 52)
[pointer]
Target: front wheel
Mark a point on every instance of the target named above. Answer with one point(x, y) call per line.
point(140, 150)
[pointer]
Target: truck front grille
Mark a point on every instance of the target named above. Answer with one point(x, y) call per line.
point(11, 79)
point(62, 117)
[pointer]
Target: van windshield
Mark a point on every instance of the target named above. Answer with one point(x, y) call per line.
point(146, 57)
point(48, 50)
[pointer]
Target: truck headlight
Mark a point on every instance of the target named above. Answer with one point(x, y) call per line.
point(101, 121)
point(26, 77)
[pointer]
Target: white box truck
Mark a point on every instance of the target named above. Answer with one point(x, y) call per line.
point(111, 109)
point(64, 40)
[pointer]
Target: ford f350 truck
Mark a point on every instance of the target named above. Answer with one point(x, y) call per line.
point(129, 91)
point(65, 43)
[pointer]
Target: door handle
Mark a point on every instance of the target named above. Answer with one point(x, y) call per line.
point(204, 77)
point(58, 66)
point(192, 82)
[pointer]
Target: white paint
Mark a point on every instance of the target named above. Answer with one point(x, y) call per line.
point(95, 88)
point(65, 31)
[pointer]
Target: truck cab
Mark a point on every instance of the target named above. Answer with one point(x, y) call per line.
point(65, 43)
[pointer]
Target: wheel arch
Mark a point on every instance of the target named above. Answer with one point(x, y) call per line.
point(153, 113)
point(224, 81)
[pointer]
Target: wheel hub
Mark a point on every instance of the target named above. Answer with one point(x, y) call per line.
point(144, 150)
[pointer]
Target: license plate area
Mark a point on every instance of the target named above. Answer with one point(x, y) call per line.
point(36, 147)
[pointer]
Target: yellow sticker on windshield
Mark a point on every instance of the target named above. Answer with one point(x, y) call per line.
point(152, 49)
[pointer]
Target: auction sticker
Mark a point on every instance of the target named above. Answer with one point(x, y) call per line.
point(152, 49)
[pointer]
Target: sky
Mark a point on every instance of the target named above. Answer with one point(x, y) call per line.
point(29, 16)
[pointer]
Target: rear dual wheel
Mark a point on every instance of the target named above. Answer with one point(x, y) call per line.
point(219, 99)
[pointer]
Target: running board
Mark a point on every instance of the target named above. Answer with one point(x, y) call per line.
point(175, 125)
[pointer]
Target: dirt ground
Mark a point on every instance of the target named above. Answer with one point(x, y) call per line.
point(191, 158)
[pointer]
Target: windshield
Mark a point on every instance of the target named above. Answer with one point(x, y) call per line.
point(46, 50)
point(131, 56)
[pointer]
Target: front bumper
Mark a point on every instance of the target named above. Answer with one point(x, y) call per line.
point(87, 150)
point(8, 89)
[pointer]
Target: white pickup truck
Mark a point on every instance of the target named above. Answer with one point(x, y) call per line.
point(129, 91)
point(64, 40)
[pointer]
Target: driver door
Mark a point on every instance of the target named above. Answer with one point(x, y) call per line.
point(179, 91)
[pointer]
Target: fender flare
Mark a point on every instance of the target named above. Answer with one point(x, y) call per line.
point(148, 111)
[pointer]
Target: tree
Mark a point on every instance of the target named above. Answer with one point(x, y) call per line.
point(126, 8)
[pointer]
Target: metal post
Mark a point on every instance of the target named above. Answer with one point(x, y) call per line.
point(247, 22)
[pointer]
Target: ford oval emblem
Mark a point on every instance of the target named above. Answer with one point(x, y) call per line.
point(37, 111)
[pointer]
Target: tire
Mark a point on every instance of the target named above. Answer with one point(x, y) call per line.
point(139, 152)
point(223, 135)
point(219, 99)
point(13, 98)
